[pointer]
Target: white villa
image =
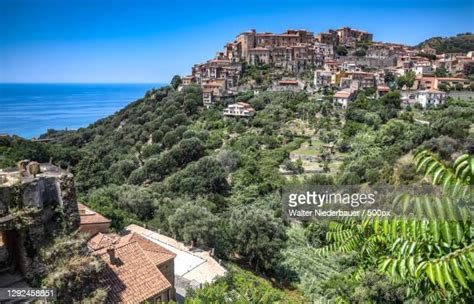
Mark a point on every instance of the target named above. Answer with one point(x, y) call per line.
point(343, 97)
point(239, 109)
point(430, 97)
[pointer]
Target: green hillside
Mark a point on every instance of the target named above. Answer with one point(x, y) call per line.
point(214, 181)
point(461, 43)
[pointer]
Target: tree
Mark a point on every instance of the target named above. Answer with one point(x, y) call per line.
point(229, 159)
point(360, 52)
point(406, 80)
point(194, 224)
point(239, 286)
point(175, 82)
point(389, 78)
point(392, 100)
point(256, 235)
point(204, 177)
point(404, 248)
point(443, 87)
point(91, 173)
point(294, 166)
point(341, 51)
point(441, 72)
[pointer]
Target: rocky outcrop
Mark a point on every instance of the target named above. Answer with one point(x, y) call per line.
point(36, 202)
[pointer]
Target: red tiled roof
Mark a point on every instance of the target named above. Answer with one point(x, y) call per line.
point(131, 277)
point(452, 79)
point(383, 88)
point(433, 91)
point(89, 216)
point(154, 252)
point(342, 94)
point(101, 240)
point(243, 104)
point(287, 82)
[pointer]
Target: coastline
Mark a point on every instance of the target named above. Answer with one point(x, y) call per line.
point(30, 109)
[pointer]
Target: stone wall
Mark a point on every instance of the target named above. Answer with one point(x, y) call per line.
point(369, 61)
point(34, 208)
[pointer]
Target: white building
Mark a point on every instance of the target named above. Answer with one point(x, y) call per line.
point(343, 97)
point(431, 97)
point(239, 109)
point(423, 68)
point(192, 268)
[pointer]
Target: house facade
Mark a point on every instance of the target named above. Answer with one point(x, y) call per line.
point(239, 109)
point(428, 98)
point(343, 97)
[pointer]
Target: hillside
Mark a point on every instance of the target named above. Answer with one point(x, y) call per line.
point(461, 43)
point(167, 162)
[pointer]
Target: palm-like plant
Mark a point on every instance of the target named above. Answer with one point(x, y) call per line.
point(434, 256)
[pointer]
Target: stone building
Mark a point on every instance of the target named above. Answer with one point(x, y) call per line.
point(91, 221)
point(344, 36)
point(349, 37)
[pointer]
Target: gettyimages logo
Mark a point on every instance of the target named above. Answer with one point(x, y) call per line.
point(381, 201)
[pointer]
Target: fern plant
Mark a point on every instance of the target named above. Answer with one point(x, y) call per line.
point(433, 256)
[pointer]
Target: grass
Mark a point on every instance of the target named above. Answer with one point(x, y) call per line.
point(310, 152)
point(306, 149)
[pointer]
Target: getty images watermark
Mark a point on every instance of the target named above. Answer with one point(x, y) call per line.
point(380, 201)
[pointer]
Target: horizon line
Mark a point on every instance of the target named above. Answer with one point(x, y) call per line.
point(63, 82)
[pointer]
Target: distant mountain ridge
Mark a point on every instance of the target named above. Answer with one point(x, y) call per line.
point(461, 43)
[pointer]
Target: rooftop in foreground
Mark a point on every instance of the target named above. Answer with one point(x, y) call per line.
point(193, 265)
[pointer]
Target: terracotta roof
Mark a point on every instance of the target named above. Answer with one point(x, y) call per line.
point(432, 91)
point(130, 276)
point(244, 104)
point(342, 94)
point(383, 88)
point(101, 240)
point(154, 252)
point(287, 82)
point(89, 216)
point(452, 79)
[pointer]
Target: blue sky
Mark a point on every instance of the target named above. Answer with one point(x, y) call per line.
point(150, 41)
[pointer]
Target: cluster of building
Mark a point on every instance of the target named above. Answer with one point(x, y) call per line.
point(348, 75)
point(363, 65)
point(144, 266)
point(294, 50)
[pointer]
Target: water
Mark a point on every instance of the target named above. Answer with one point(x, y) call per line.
point(28, 110)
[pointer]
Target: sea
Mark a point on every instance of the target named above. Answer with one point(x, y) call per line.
point(29, 110)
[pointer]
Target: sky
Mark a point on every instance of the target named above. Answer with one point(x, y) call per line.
point(107, 41)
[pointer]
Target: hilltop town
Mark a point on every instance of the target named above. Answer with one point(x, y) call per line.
point(345, 61)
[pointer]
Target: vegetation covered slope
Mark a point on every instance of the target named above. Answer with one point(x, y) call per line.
point(212, 181)
point(461, 43)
